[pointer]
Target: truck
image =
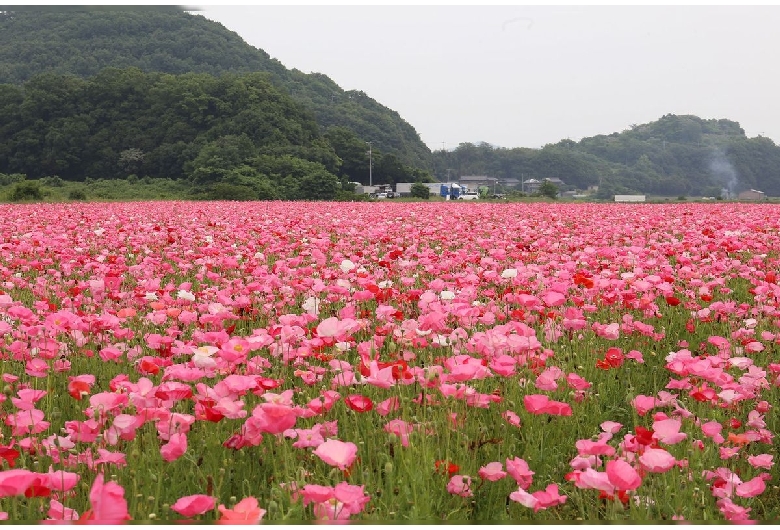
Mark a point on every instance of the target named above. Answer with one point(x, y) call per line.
point(468, 195)
point(383, 191)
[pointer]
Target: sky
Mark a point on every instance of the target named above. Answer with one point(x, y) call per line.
point(528, 75)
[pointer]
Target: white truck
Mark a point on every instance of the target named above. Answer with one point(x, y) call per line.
point(468, 196)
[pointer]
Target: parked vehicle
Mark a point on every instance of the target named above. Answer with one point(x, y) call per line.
point(384, 191)
point(468, 196)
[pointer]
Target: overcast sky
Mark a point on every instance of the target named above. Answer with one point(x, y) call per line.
point(524, 76)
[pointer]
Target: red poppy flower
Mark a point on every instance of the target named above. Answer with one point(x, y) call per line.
point(603, 364)
point(445, 466)
point(643, 436)
point(78, 389)
point(621, 495)
point(359, 403)
point(9, 455)
point(37, 490)
point(614, 357)
point(672, 301)
point(147, 367)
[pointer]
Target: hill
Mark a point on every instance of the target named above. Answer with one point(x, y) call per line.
point(83, 41)
point(675, 155)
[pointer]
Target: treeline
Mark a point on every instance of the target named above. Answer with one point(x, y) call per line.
point(675, 155)
point(84, 40)
point(235, 130)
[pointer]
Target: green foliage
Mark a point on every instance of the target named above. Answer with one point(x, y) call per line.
point(239, 130)
point(224, 191)
point(420, 190)
point(83, 42)
point(6, 180)
point(548, 189)
point(318, 186)
point(26, 191)
point(53, 181)
point(77, 195)
point(675, 155)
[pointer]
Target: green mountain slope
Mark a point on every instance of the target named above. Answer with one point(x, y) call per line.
point(675, 155)
point(84, 41)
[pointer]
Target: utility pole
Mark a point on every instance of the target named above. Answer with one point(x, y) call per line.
point(370, 166)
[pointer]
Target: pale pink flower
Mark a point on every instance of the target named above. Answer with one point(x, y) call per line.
point(492, 472)
point(193, 505)
point(460, 485)
point(337, 453)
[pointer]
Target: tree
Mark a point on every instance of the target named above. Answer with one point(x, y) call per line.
point(26, 191)
point(548, 189)
point(421, 191)
point(318, 186)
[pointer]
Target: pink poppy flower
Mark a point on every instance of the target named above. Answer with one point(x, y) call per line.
point(611, 427)
point(107, 503)
point(401, 429)
point(337, 453)
point(193, 505)
point(712, 429)
point(548, 498)
point(518, 469)
point(751, 488)
point(57, 511)
point(246, 511)
point(763, 461)
point(460, 485)
point(731, 511)
point(577, 382)
point(657, 460)
point(60, 480)
point(15, 482)
point(353, 497)
point(589, 447)
point(622, 475)
point(176, 447)
point(492, 472)
point(36, 367)
point(523, 497)
point(536, 403)
point(668, 431)
point(643, 404)
point(314, 493)
point(512, 418)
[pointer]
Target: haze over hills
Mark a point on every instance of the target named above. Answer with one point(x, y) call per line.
point(675, 155)
point(184, 97)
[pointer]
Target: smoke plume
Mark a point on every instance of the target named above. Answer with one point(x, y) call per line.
point(723, 171)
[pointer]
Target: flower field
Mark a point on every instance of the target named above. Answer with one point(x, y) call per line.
point(245, 362)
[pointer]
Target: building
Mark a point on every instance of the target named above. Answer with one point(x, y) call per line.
point(404, 189)
point(751, 195)
point(473, 182)
point(532, 185)
point(630, 198)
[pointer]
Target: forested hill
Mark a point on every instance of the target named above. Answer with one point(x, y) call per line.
point(675, 155)
point(84, 41)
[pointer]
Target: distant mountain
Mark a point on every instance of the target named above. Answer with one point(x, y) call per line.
point(675, 155)
point(83, 41)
